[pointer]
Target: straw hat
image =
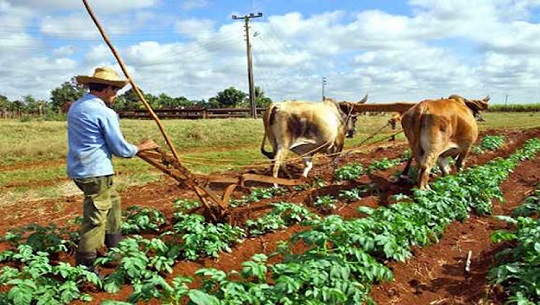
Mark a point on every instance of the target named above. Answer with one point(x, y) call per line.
point(102, 75)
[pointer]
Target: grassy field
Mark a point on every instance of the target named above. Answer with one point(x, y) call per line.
point(33, 153)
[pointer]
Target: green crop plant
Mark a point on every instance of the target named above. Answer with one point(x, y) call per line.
point(354, 194)
point(349, 172)
point(49, 238)
point(258, 194)
point(40, 282)
point(489, 143)
point(383, 164)
point(201, 238)
point(184, 205)
point(282, 215)
point(518, 267)
point(142, 219)
point(325, 203)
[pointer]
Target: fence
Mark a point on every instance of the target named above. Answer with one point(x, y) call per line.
point(192, 113)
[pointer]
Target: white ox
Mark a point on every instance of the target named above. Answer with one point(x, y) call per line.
point(305, 128)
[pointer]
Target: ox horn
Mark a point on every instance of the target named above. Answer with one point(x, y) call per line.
point(363, 101)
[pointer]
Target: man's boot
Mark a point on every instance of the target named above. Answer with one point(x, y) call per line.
point(112, 240)
point(86, 259)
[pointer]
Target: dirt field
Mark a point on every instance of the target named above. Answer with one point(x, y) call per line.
point(435, 275)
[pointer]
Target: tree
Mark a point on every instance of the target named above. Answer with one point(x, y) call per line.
point(68, 92)
point(129, 100)
point(4, 103)
point(165, 101)
point(183, 102)
point(260, 99)
point(230, 97)
point(31, 105)
point(17, 107)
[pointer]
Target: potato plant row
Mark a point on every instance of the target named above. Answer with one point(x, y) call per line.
point(346, 257)
point(517, 272)
point(143, 262)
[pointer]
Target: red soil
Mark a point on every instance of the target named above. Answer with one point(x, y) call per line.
point(435, 275)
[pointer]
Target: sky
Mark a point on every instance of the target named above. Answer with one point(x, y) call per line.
point(393, 50)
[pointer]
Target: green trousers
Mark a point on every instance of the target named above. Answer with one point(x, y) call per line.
point(102, 212)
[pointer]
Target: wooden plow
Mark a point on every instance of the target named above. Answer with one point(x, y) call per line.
point(215, 205)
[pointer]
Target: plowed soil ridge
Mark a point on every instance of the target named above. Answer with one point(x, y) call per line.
point(435, 275)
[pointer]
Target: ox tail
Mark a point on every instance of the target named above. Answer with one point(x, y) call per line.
point(269, 119)
point(268, 154)
point(422, 125)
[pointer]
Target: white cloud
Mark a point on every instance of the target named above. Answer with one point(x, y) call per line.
point(194, 4)
point(104, 6)
point(64, 51)
point(469, 47)
point(97, 54)
point(194, 27)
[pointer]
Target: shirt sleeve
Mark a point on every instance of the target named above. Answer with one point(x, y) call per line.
point(115, 139)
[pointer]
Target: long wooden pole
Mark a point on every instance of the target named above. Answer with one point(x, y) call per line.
point(133, 85)
point(202, 192)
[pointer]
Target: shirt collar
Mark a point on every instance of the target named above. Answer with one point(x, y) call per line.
point(89, 96)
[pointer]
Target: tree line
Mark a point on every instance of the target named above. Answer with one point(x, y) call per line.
point(62, 97)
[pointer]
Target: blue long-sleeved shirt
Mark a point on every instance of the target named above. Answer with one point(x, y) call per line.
point(93, 138)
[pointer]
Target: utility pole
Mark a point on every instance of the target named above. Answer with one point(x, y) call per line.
point(506, 101)
point(323, 85)
point(249, 63)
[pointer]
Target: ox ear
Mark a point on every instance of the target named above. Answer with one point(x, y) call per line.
point(345, 107)
point(363, 101)
point(486, 99)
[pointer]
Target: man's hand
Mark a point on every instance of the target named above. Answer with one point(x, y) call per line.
point(147, 144)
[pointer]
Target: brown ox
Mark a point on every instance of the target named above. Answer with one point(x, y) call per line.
point(305, 128)
point(440, 129)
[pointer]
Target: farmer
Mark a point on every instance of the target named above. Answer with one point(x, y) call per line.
point(93, 138)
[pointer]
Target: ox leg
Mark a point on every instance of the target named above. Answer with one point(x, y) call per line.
point(280, 156)
point(460, 162)
point(308, 164)
point(405, 173)
point(443, 165)
point(423, 173)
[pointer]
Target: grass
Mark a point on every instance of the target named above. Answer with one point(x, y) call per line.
point(33, 153)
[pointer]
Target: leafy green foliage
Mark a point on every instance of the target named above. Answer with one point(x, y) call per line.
point(142, 219)
point(325, 203)
point(530, 206)
point(354, 194)
point(518, 269)
point(383, 164)
point(258, 194)
point(230, 97)
point(141, 263)
point(349, 172)
point(343, 257)
point(489, 143)
point(183, 205)
point(201, 238)
point(50, 239)
point(282, 215)
point(39, 282)
point(68, 92)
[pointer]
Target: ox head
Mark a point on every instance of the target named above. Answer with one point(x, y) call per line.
point(349, 117)
point(474, 105)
